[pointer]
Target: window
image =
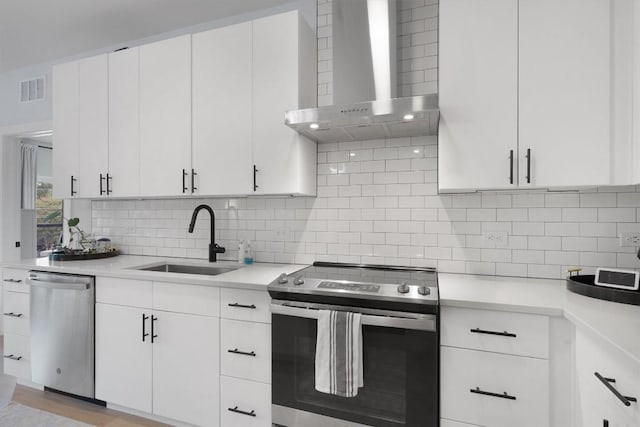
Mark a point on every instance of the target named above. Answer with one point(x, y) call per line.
point(48, 217)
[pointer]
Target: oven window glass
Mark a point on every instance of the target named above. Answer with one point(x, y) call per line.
point(400, 375)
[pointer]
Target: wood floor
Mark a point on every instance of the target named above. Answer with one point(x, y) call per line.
point(76, 409)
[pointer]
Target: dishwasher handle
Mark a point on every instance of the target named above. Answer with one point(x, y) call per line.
point(73, 286)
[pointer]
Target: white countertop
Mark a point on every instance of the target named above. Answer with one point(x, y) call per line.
point(255, 276)
point(618, 324)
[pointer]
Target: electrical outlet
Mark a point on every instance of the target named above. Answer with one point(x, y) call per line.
point(496, 239)
point(629, 238)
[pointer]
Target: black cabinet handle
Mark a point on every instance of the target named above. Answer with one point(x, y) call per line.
point(238, 411)
point(510, 166)
point(244, 353)
point(73, 192)
point(626, 400)
point(528, 156)
point(184, 183)
point(12, 280)
point(503, 395)
point(12, 314)
point(12, 357)
point(502, 334)
point(144, 326)
point(255, 185)
point(605, 423)
point(101, 189)
point(193, 181)
point(153, 334)
point(235, 304)
point(109, 178)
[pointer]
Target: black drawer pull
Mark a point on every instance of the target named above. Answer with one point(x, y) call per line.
point(238, 411)
point(244, 353)
point(502, 334)
point(12, 314)
point(626, 400)
point(12, 280)
point(488, 393)
point(235, 304)
point(12, 357)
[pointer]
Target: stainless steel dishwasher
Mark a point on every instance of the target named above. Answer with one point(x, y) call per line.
point(62, 332)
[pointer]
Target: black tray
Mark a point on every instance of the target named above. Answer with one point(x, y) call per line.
point(82, 256)
point(584, 285)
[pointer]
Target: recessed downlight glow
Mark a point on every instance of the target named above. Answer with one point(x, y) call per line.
point(314, 126)
point(408, 117)
point(416, 151)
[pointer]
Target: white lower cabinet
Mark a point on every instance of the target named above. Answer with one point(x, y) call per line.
point(123, 360)
point(186, 368)
point(493, 389)
point(245, 349)
point(244, 403)
point(596, 402)
point(449, 423)
point(161, 362)
point(16, 319)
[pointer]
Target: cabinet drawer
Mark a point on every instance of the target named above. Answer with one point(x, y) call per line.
point(246, 396)
point(18, 347)
point(16, 313)
point(594, 400)
point(133, 293)
point(238, 338)
point(190, 299)
point(501, 332)
point(525, 378)
point(15, 280)
point(241, 304)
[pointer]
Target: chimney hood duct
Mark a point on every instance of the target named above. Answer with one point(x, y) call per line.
point(364, 82)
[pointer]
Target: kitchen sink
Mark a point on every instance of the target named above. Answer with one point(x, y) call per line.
point(189, 269)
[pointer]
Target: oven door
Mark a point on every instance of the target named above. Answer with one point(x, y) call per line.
point(400, 356)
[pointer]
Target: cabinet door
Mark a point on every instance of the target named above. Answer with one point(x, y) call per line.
point(165, 116)
point(283, 158)
point(565, 92)
point(478, 94)
point(65, 128)
point(124, 122)
point(186, 368)
point(123, 360)
point(222, 128)
point(93, 125)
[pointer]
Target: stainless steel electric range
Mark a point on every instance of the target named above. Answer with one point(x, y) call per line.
point(399, 307)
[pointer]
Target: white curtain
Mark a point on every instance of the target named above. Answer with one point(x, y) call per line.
point(29, 175)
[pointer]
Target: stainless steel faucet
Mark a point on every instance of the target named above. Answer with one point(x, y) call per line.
point(214, 249)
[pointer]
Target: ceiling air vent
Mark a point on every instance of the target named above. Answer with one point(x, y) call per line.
point(32, 90)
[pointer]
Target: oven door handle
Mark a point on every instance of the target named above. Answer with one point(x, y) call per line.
point(413, 321)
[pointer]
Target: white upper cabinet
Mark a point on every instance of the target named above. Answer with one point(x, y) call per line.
point(573, 78)
point(124, 122)
point(93, 126)
point(195, 115)
point(284, 78)
point(165, 117)
point(565, 92)
point(478, 94)
point(222, 97)
point(65, 129)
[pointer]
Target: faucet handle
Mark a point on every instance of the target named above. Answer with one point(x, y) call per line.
point(218, 249)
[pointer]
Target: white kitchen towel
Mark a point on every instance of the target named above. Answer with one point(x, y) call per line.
point(339, 353)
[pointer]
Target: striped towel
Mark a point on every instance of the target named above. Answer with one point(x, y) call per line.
point(339, 353)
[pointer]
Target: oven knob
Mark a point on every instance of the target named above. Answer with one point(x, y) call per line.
point(298, 281)
point(403, 288)
point(282, 279)
point(424, 290)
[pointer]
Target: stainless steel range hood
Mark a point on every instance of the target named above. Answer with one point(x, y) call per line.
point(364, 82)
